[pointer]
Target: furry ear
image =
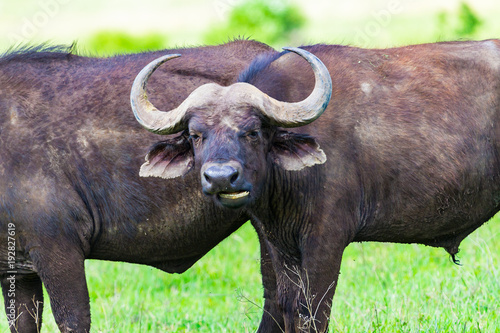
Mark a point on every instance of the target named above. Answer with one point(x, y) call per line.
point(294, 151)
point(169, 159)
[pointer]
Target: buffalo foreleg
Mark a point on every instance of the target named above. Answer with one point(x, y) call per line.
point(62, 272)
point(317, 280)
point(23, 297)
point(305, 288)
point(272, 318)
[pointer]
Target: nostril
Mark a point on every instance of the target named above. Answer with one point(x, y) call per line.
point(234, 177)
point(207, 178)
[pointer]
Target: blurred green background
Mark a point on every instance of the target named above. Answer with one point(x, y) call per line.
point(383, 287)
point(107, 27)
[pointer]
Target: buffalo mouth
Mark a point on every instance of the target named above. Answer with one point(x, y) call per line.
point(234, 199)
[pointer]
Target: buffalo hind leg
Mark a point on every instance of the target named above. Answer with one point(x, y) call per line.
point(62, 272)
point(23, 297)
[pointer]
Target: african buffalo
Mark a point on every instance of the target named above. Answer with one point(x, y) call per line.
point(69, 189)
point(407, 151)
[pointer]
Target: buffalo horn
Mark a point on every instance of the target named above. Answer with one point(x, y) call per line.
point(279, 113)
point(159, 122)
point(287, 115)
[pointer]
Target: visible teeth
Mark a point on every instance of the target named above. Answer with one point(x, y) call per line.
point(234, 195)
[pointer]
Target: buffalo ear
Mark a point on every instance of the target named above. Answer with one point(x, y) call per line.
point(169, 159)
point(295, 152)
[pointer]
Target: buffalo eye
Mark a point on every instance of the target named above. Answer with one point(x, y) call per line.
point(252, 135)
point(195, 137)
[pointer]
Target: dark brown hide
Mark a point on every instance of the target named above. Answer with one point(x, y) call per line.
point(70, 151)
point(412, 141)
point(411, 138)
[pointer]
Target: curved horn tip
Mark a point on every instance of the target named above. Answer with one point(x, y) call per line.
point(305, 54)
point(313, 106)
point(292, 49)
point(172, 56)
point(159, 61)
point(297, 50)
point(154, 120)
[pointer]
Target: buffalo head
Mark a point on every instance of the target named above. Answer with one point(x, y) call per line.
point(233, 133)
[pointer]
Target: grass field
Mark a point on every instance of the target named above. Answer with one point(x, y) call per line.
point(382, 288)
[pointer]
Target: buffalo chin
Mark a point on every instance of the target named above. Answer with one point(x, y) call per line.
point(233, 200)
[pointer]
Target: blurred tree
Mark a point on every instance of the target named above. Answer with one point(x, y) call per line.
point(269, 21)
point(469, 21)
point(107, 43)
point(464, 24)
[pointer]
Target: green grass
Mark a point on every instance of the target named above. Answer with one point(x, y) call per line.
point(382, 288)
point(414, 288)
point(134, 298)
